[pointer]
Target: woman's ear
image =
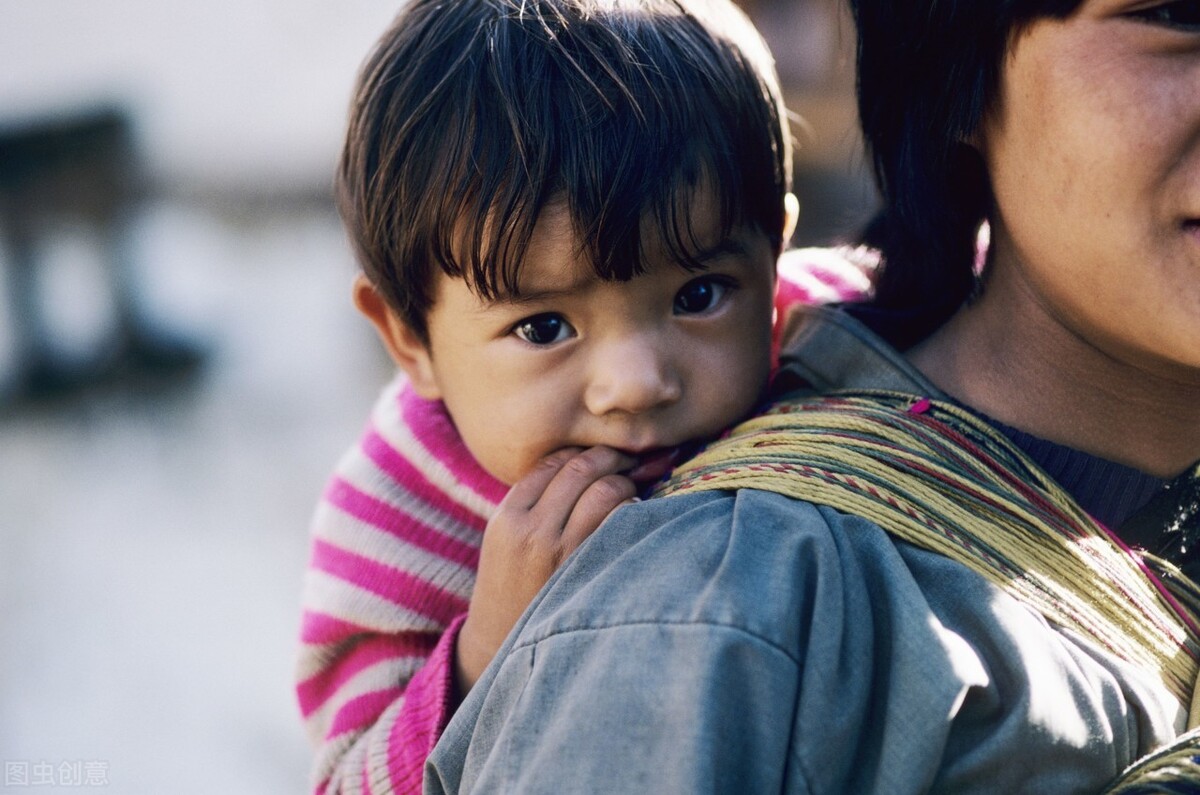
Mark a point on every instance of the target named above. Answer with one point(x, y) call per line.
point(405, 345)
point(976, 139)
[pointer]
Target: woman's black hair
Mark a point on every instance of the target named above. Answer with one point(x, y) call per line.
point(928, 72)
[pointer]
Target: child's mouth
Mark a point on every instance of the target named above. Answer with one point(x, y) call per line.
point(654, 465)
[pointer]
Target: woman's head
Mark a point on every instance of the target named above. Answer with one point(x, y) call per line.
point(928, 71)
point(1075, 129)
point(1092, 150)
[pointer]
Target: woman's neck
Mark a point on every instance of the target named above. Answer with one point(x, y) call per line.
point(1010, 359)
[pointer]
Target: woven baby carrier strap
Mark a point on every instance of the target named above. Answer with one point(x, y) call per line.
point(940, 478)
point(1172, 769)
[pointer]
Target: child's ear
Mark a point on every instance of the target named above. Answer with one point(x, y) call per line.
point(791, 214)
point(404, 345)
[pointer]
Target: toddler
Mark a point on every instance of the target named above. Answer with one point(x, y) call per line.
point(568, 214)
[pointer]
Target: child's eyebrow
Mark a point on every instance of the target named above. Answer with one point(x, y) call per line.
point(528, 296)
point(729, 247)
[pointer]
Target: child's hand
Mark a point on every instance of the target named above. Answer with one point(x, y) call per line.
point(544, 517)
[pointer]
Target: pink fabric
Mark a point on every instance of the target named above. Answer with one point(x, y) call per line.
point(393, 584)
point(428, 708)
point(395, 548)
point(393, 520)
point(810, 276)
point(435, 430)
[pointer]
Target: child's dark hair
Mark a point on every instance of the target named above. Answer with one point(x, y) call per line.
point(472, 115)
point(928, 72)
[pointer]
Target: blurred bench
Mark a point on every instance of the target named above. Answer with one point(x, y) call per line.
point(79, 168)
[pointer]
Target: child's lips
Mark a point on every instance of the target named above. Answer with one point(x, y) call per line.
point(654, 465)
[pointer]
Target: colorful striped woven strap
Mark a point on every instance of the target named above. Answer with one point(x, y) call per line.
point(940, 478)
point(1174, 769)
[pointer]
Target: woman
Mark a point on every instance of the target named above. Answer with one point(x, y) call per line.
point(974, 578)
point(1073, 131)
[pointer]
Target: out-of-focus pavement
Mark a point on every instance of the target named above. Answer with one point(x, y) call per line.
point(153, 536)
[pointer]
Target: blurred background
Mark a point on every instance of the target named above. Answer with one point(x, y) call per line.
point(180, 365)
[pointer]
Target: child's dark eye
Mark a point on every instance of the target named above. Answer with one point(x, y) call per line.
point(700, 295)
point(1182, 15)
point(544, 329)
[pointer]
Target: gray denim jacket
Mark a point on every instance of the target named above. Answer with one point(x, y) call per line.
point(745, 642)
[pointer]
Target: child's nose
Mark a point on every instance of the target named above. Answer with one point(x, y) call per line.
point(631, 376)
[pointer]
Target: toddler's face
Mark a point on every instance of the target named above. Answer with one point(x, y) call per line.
point(643, 366)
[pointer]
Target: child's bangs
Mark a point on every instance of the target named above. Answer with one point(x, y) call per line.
point(627, 123)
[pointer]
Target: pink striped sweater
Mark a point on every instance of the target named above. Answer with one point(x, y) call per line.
point(395, 548)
